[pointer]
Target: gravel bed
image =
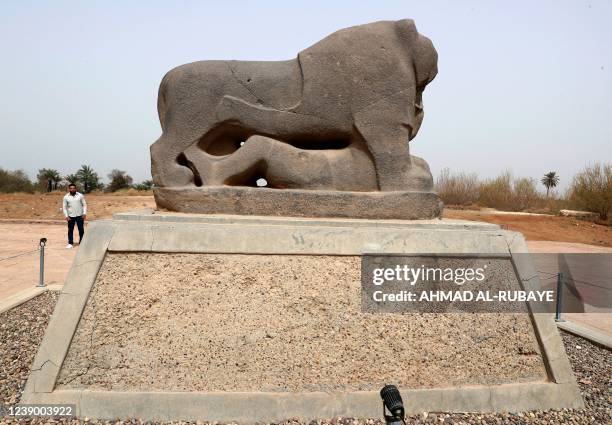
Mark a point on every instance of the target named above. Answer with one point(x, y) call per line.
point(21, 331)
point(324, 342)
point(592, 366)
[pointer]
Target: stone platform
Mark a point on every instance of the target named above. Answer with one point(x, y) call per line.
point(404, 205)
point(242, 318)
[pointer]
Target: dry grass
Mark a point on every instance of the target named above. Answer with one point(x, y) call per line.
point(503, 192)
point(591, 190)
point(458, 189)
point(124, 192)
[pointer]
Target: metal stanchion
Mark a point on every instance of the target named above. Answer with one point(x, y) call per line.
point(559, 297)
point(41, 280)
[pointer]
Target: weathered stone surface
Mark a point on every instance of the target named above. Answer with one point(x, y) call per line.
point(337, 118)
point(300, 203)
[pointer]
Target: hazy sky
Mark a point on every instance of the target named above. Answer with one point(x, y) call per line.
point(524, 85)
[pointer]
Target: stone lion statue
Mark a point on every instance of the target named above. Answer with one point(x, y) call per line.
point(337, 117)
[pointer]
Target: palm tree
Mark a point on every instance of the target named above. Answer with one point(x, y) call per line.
point(70, 178)
point(88, 178)
point(48, 179)
point(550, 180)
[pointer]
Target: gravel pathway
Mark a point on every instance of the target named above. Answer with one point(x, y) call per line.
point(21, 331)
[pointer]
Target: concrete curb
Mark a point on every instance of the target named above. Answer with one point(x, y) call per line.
point(69, 308)
point(255, 407)
point(595, 337)
point(30, 221)
point(25, 295)
point(148, 215)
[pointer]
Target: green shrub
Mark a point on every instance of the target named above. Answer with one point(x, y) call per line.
point(144, 185)
point(15, 181)
point(118, 180)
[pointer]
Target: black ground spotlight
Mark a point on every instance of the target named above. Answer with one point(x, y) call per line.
point(392, 401)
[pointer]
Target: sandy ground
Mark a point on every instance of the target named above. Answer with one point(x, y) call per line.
point(210, 322)
point(565, 247)
point(48, 206)
point(25, 218)
point(542, 227)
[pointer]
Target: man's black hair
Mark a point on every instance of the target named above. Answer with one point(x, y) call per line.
point(72, 184)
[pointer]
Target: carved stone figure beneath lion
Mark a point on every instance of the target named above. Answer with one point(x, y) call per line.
point(328, 131)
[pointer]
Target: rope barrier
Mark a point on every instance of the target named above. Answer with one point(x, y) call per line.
point(549, 273)
point(584, 282)
point(589, 284)
point(18, 255)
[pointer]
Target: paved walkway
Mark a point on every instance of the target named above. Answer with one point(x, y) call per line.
point(592, 318)
point(21, 273)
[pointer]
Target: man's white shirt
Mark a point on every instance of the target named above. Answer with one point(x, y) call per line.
point(74, 206)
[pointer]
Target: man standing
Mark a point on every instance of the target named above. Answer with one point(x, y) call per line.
point(75, 211)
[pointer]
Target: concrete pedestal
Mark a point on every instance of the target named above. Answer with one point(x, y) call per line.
point(270, 237)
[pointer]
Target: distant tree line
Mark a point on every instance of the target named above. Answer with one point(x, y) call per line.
point(15, 181)
point(85, 178)
point(590, 189)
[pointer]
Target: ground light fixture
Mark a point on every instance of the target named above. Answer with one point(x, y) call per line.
point(392, 402)
point(41, 276)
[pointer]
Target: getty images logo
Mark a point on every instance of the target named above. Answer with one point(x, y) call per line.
point(412, 275)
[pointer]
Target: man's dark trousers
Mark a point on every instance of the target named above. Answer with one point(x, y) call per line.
point(79, 222)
